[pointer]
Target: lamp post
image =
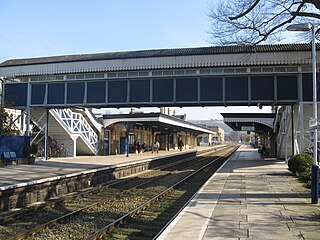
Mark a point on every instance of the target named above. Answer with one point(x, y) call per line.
point(2, 79)
point(315, 167)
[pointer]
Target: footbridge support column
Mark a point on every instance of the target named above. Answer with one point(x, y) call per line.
point(74, 138)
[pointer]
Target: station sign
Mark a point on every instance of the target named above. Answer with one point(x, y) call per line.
point(313, 124)
point(248, 128)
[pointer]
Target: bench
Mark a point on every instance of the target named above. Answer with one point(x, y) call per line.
point(10, 157)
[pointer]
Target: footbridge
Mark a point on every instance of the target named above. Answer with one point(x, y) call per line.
point(277, 75)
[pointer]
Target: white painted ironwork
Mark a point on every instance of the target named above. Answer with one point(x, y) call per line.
point(35, 137)
point(284, 129)
point(77, 124)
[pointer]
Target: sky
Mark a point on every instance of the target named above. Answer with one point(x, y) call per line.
point(36, 28)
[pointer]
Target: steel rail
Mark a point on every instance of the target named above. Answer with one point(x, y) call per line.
point(99, 189)
point(99, 234)
point(91, 190)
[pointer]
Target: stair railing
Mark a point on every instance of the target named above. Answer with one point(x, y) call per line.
point(77, 124)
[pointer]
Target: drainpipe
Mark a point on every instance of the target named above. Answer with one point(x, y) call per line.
point(292, 131)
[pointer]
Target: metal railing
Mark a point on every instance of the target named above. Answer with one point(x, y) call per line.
point(77, 124)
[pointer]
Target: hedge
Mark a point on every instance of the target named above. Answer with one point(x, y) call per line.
point(300, 163)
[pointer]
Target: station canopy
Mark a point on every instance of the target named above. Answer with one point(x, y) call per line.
point(250, 122)
point(157, 121)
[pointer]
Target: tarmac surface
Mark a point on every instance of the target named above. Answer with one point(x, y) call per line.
point(249, 198)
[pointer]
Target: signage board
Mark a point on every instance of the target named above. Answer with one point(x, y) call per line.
point(247, 128)
point(313, 124)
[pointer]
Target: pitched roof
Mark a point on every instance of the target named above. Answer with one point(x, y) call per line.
point(161, 53)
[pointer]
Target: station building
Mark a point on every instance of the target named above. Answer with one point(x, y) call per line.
point(210, 139)
point(123, 131)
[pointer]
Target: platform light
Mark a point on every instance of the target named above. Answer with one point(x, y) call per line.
point(305, 27)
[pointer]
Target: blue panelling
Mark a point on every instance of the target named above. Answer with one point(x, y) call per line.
point(236, 88)
point(262, 88)
point(211, 89)
point(287, 88)
point(96, 92)
point(56, 93)
point(75, 93)
point(307, 87)
point(17, 144)
point(139, 90)
point(37, 94)
point(162, 90)
point(117, 91)
point(180, 91)
point(187, 89)
point(16, 94)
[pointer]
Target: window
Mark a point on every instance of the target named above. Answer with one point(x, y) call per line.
point(307, 69)
point(80, 76)
point(216, 71)
point(71, 77)
point(280, 69)
point(133, 74)
point(99, 75)
point(59, 77)
point(179, 72)
point(167, 73)
point(122, 74)
point(89, 76)
point(142, 74)
point(191, 72)
point(241, 70)
point(205, 71)
point(255, 70)
point(292, 69)
point(157, 73)
point(267, 69)
point(228, 70)
point(112, 75)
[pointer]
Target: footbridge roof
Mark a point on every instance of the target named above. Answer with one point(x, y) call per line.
point(218, 56)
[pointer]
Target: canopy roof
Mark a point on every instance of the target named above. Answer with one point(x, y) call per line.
point(156, 121)
point(254, 122)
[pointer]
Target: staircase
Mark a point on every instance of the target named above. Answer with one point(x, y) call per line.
point(283, 138)
point(75, 130)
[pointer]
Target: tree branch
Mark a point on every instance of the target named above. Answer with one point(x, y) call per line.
point(245, 12)
point(316, 3)
point(279, 25)
point(305, 14)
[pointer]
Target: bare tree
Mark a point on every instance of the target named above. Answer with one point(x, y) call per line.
point(255, 21)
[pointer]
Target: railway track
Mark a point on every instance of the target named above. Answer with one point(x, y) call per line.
point(87, 213)
point(149, 219)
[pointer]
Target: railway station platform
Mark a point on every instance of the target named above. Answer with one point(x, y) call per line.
point(46, 170)
point(248, 198)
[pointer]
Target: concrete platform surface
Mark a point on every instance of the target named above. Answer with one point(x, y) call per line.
point(249, 198)
point(55, 167)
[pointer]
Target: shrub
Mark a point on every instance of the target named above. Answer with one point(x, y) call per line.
point(305, 177)
point(300, 163)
